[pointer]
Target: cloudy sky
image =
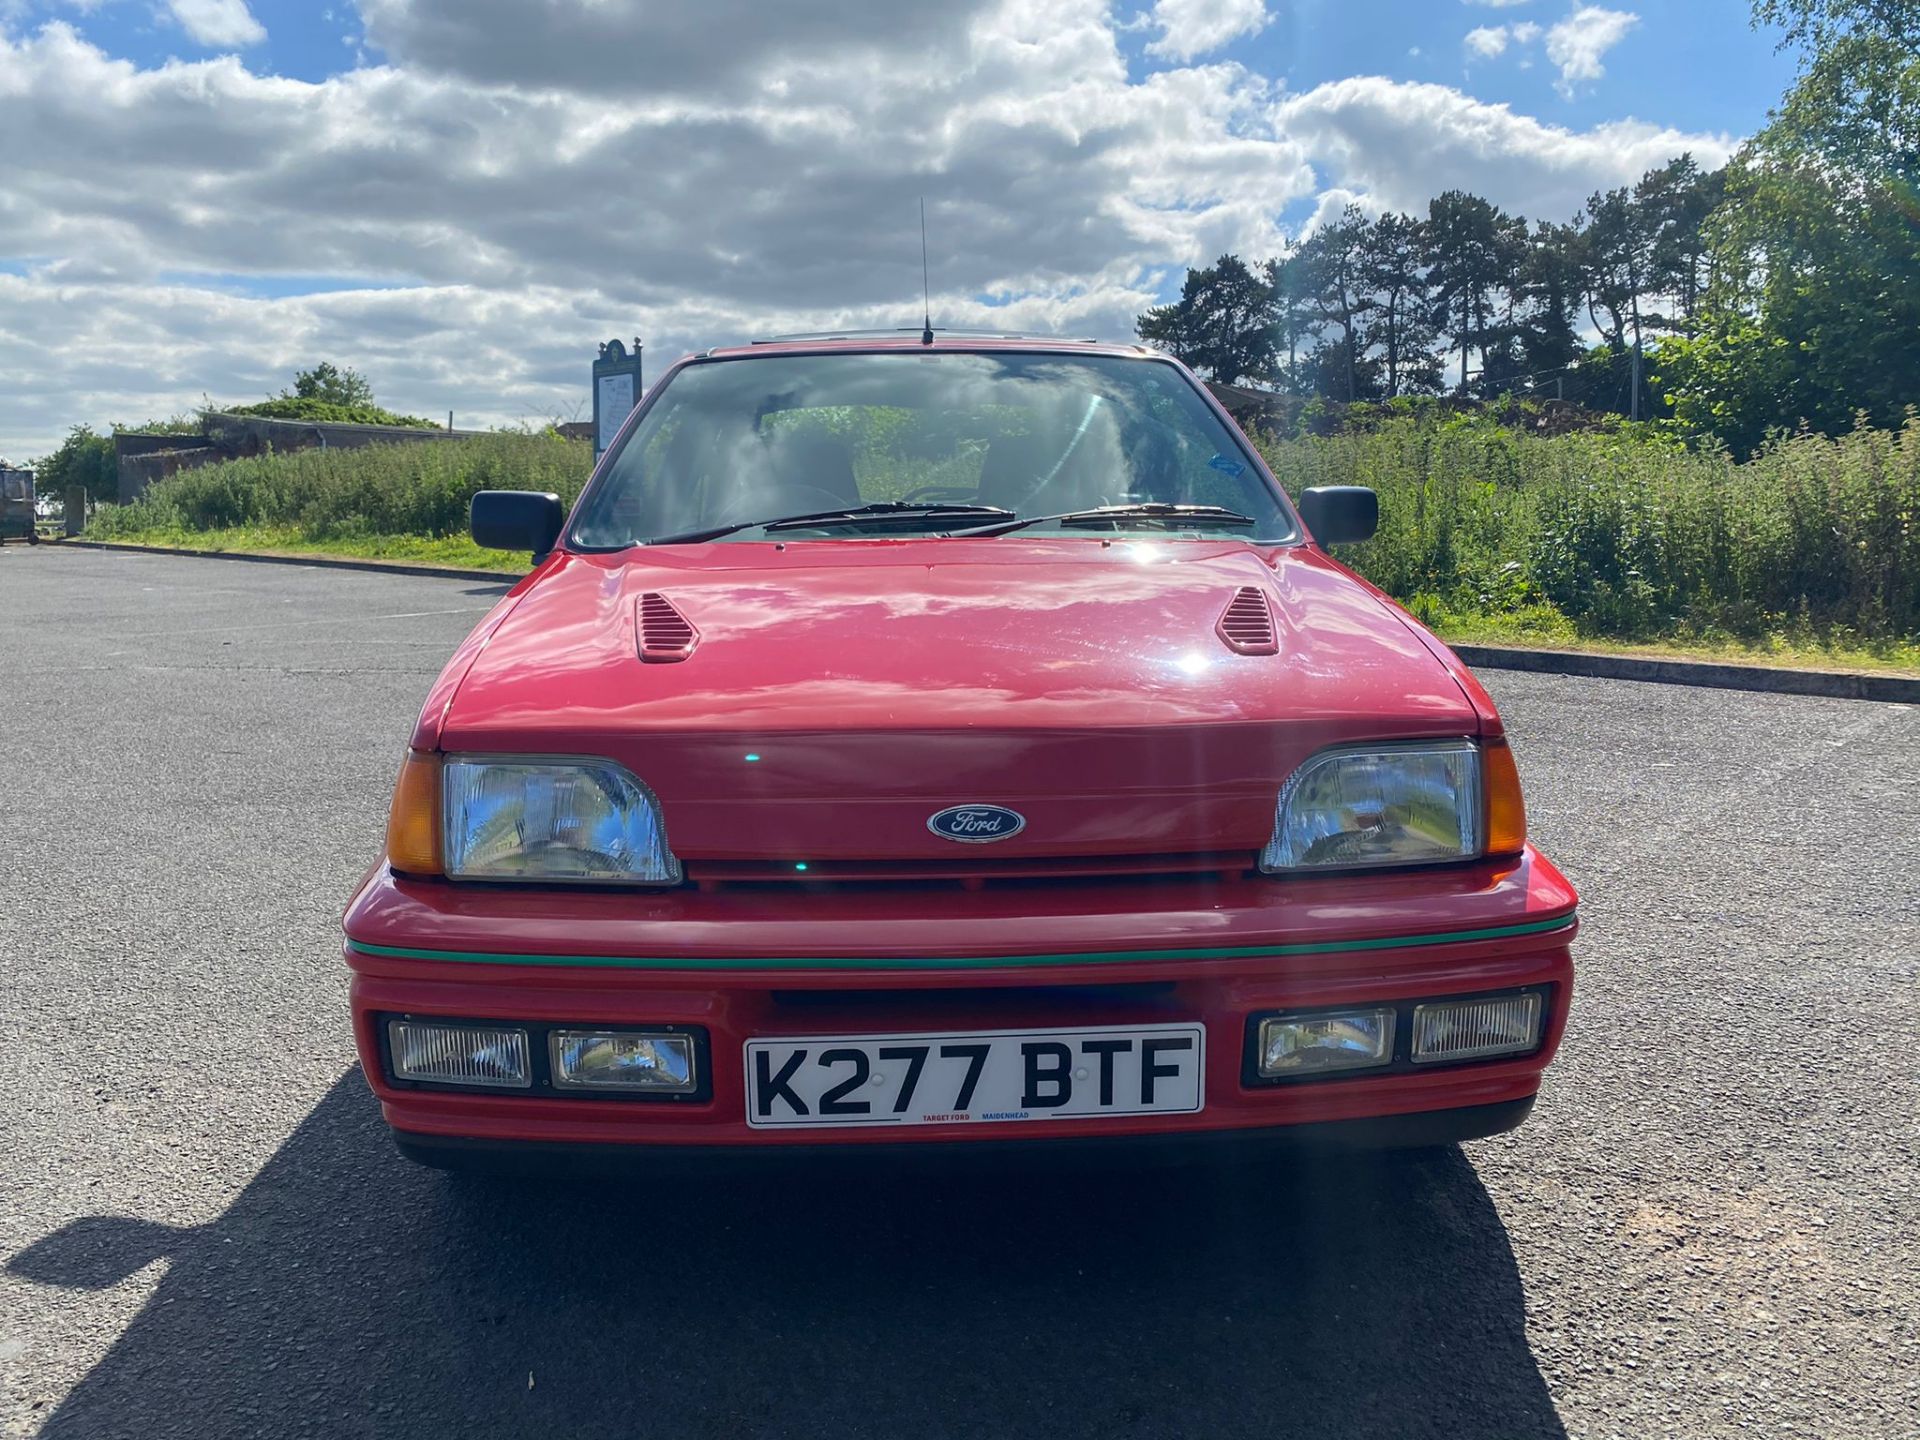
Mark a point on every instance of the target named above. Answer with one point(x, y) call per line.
point(461, 197)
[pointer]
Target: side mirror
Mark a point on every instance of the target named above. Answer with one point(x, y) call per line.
point(1337, 514)
point(516, 520)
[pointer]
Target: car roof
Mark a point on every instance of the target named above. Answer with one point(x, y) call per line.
point(878, 342)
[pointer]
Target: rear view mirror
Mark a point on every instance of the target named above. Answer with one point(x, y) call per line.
point(1338, 514)
point(516, 520)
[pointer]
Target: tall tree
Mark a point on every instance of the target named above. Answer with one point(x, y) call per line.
point(1222, 324)
point(1677, 198)
point(1551, 280)
point(1621, 245)
point(1393, 267)
point(1617, 252)
point(1817, 24)
point(1293, 322)
point(1334, 286)
point(1813, 312)
point(1473, 250)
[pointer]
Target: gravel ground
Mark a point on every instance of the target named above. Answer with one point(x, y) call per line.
point(1709, 1227)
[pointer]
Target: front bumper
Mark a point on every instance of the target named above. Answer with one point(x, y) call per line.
point(1073, 1154)
point(1213, 950)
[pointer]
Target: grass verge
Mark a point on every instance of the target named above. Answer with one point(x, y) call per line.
point(454, 550)
point(1782, 651)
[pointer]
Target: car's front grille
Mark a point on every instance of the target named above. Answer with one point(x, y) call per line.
point(968, 872)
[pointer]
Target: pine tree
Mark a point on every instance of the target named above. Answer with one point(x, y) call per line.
point(1393, 267)
point(1474, 251)
point(1332, 266)
point(1222, 324)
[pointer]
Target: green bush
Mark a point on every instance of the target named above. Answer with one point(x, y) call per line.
point(83, 459)
point(414, 488)
point(1631, 536)
point(303, 407)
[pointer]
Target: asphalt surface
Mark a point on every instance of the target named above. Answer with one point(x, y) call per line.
point(1708, 1228)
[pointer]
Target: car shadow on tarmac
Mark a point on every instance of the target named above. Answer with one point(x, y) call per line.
point(348, 1293)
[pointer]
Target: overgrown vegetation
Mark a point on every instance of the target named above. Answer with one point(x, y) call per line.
point(331, 496)
point(330, 392)
point(327, 392)
point(86, 459)
point(296, 407)
point(1815, 541)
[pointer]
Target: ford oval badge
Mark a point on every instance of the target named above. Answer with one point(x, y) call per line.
point(976, 824)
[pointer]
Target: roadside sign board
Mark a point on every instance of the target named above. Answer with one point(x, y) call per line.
point(616, 388)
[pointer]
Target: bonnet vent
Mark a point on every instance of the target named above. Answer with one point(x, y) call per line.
point(1247, 623)
point(665, 634)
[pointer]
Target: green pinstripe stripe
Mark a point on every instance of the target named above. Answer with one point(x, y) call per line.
point(979, 962)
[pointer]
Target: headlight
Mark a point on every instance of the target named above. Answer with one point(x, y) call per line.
point(1400, 804)
point(623, 1060)
point(584, 821)
point(1314, 1044)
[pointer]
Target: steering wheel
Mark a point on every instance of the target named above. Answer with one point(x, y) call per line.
point(940, 492)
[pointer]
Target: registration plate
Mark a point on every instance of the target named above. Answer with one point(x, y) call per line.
point(974, 1076)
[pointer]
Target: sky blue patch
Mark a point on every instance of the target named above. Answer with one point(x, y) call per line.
point(304, 40)
point(1697, 66)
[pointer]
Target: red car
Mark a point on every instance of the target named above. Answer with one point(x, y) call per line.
point(934, 741)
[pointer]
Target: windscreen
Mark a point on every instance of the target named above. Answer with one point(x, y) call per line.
point(756, 440)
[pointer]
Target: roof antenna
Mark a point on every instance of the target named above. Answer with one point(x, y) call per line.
point(926, 290)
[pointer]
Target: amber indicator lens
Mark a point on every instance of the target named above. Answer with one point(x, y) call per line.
point(413, 825)
point(1506, 811)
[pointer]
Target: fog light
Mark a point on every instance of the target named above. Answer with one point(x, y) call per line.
point(1312, 1044)
point(1476, 1029)
point(622, 1060)
point(459, 1054)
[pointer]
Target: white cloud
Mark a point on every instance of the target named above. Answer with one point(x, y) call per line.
point(1487, 41)
point(1495, 4)
point(1577, 43)
point(1397, 145)
point(780, 198)
point(1195, 27)
point(218, 23)
point(483, 211)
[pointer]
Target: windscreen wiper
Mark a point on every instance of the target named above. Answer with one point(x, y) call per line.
point(824, 517)
point(891, 507)
point(1154, 511)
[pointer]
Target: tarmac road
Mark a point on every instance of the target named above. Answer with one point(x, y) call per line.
point(1708, 1228)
